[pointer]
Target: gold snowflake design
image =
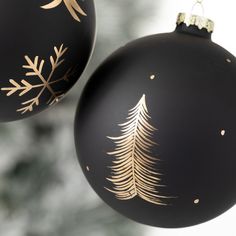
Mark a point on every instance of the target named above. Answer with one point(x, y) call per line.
point(72, 6)
point(35, 69)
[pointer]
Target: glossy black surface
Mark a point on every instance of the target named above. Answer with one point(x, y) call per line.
point(191, 100)
point(28, 29)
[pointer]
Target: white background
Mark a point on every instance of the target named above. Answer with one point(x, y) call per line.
point(223, 13)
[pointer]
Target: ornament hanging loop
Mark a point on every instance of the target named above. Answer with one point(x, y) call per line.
point(198, 3)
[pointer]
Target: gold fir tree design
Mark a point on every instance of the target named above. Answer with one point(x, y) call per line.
point(72, 6)
point(35, 69)
point(133, 172)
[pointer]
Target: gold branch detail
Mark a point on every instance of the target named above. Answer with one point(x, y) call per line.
point(72, 6)
point(35, 69)
point(133, 170)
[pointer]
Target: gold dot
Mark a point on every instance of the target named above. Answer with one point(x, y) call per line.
point(152, 77)
point(87, 168)
point(222, 132)
point(228, 60)
point(196, 201)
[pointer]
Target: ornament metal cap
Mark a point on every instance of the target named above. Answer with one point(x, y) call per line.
point(194, 20)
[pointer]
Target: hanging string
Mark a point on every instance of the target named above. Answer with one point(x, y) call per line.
point(198, 3)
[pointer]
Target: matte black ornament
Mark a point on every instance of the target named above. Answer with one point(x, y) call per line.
point(155, 128)
point(44, 46)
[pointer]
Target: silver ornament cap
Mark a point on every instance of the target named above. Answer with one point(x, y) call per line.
point(195, 20)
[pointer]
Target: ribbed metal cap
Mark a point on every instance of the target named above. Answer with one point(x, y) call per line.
point(195, 20)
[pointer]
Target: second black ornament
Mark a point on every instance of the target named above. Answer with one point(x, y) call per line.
point(44, 47)
point(155, 128)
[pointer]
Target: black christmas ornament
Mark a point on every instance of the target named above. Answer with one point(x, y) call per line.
point(45, 46)
point(155, 128)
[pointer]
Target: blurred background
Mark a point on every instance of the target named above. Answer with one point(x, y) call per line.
point(42, 189)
